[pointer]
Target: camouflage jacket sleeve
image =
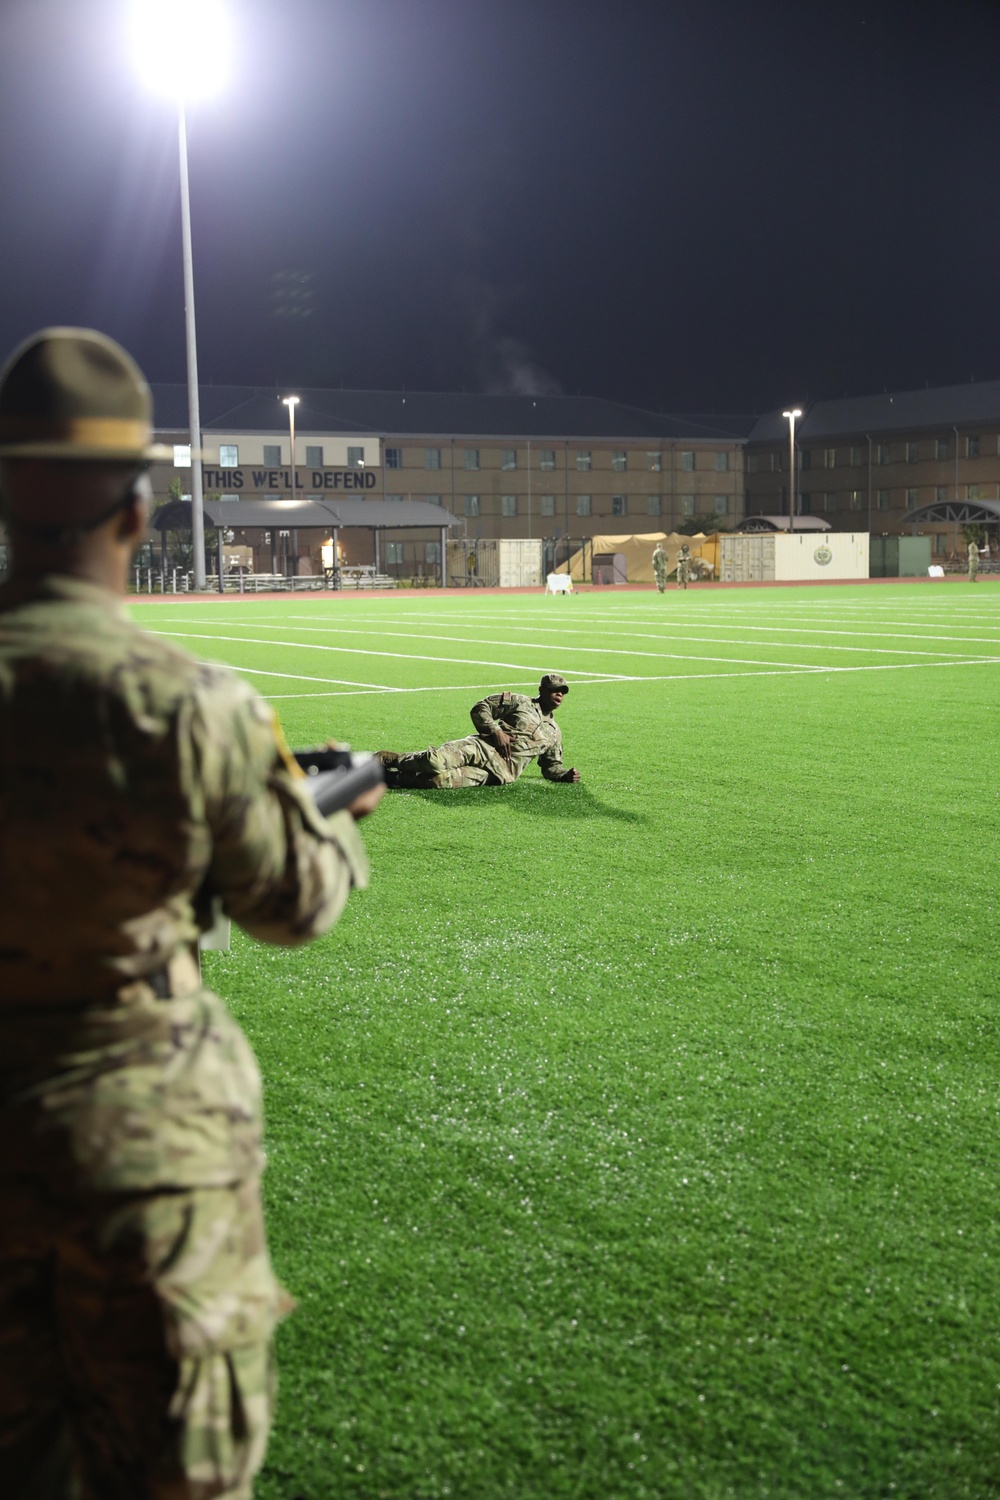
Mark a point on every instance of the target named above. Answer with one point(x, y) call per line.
point(550, 762)
point(282, 871)
point(484, 714)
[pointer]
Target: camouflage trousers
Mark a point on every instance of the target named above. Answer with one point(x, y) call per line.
point(135, 1330)
point(459, 763)
point(660, 574)
point(683, 574)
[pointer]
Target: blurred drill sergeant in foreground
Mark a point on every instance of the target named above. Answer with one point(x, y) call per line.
point(660, 566)
point(512, 730)
point(137, 1301)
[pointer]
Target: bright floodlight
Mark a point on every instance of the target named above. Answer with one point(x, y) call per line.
point(794, 413)
point(182, 47)
point(290, 400)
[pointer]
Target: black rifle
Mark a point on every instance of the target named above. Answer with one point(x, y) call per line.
point(336, 776)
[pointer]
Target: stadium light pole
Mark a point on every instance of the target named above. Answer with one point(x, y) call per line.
point(180, 48)
point(791, 416)
point(292, 402)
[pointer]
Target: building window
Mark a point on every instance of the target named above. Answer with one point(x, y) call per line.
point(829, 501)
point(857, 499)
point(884, 453)
point(911, 499)
point(972, 447)
point(687, 462)
point(805, 458)
point(272, 455)
point(229, 456)
point(722, 505)
point(777, 462)
point(912, 453)
point(829, 458)
point(654, 462)
point(394, 552)
point(974, 492)
point(508, 458)
point(654, 505)
point(432, 458)
point(721, 463)
point(619, 505)
point(182, 455)
point(584, 463)
point(432, 552)
point(314, 458)
point(753, 463)
point(687, 505)
point(883, 499)
point(394, 458)
point(470, 458)
point(619, 460)
point(472, 505)
point(395, 497)
point(583, 504)
point(430, 499)
point(942, 449)
point(941, 492)
point(856, 458)
point(547, 505)
point(356, 458)
point(805, 505)
point(508, 505)
point(546, 458)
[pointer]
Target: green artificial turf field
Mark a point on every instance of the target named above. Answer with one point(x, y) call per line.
point(639, 1138)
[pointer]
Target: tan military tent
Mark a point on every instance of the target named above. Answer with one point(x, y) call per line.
point(637, 549)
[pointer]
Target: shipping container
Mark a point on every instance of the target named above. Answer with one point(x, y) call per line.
point(495, 563)
point(900, 556)
point(784, 557)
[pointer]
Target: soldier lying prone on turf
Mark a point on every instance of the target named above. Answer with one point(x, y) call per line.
point(512, 731)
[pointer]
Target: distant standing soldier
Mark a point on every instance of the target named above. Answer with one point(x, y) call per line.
point(660, 567)
point(684, 566)
point(137, 1299)
point(512, 731)
point(973, 561)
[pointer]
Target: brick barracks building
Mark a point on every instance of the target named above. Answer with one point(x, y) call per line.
point(926, 461)
point(505, 466)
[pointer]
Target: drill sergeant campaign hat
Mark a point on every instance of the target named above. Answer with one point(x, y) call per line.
point(73, 395)
point(552, 682)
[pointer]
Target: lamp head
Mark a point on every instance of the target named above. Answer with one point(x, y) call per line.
point(182, 48)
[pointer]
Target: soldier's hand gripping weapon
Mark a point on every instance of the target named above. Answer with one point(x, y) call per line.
point(336, 775)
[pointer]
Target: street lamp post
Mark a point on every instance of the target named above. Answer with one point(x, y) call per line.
point(791, 417)
point(292, 402)
point(178, 45)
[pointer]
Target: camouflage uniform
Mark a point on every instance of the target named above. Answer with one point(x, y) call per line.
point(475, 762)
point(137, 1300)
point(973, 561)
point(660, 567)
point(683, 568)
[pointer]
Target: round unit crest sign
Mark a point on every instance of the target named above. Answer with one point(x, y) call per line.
point(823, 555)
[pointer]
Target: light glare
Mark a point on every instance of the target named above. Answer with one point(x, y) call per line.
point(182, 47)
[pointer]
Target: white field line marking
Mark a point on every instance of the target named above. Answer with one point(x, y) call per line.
point(894, 666)
point(465, 661)
point(476, 661)
point(627, 633)
point(877, 632)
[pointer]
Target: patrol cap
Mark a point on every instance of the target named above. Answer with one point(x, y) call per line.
point(74, 394)
point(553, 682)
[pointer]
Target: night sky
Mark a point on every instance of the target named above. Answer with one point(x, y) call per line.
point(688, 205)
